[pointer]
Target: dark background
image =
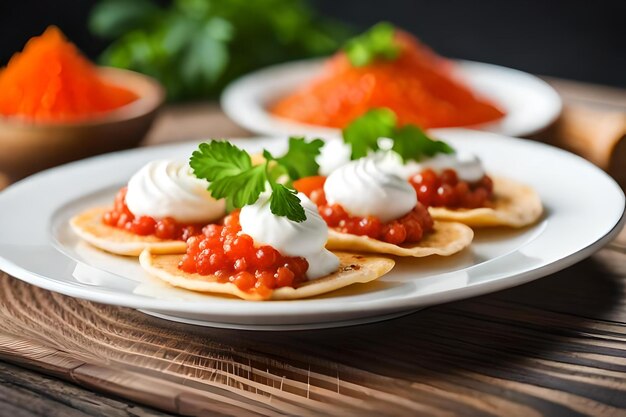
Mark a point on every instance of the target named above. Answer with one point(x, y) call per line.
point(582, 40)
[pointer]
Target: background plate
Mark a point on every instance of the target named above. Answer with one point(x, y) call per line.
point(531, 104)
point(584, 209)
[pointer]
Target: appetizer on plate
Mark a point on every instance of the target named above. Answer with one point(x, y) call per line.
point(272, 246)
point(163, 205)
point(370, 209)
point(386, 67)
point(454, 186)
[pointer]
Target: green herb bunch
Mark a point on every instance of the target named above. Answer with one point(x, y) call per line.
point(195, 47)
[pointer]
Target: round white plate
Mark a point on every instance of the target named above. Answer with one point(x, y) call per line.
point(584, 210)
point(530, 103)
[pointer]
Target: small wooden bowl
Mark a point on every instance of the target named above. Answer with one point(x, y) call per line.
point(28, 147)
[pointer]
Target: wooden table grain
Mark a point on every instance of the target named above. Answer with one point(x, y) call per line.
point(553, 347)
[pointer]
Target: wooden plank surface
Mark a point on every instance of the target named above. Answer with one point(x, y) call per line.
point(28, 393)
point(553, 347)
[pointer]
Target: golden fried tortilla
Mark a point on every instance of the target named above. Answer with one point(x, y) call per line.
point(515, 205)
point(353, 269)
point(446, 239)
point(89, 226)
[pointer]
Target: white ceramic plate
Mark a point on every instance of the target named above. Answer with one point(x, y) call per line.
point(531, 104)
point(584, 210)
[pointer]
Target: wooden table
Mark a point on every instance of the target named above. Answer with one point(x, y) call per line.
point(555, 347)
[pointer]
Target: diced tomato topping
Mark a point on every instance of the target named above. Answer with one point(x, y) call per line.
point(309, 184)
point(447, 190)
point(232, 256)
point(166, 228)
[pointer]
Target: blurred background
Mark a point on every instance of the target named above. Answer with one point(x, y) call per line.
point(579, 40)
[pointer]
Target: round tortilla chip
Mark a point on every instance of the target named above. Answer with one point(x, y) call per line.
point(88, 226)
point(446, 239)
point(516, 205)
point(353, 269)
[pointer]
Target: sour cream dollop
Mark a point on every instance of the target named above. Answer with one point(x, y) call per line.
point(334, 154)
point(166, 188)
point(365, 188)
point(306, 239)
point(467, 166)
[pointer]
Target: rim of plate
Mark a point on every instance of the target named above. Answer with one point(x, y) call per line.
point(531, 103)
point(45, 193)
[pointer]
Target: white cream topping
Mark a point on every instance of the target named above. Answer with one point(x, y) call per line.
point(306, 239)
point(365, 188)
point(166, 188)
point(334, 153)
point(467, 166)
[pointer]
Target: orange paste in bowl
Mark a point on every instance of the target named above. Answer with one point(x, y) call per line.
point(50, 81)
point(419, 86)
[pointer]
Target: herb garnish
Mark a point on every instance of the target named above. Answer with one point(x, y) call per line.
point(409, 141)
point(376, 43)
point(299, 161)
point(232, 175)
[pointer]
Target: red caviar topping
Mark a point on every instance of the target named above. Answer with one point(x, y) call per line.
point(50, 81)
point(232, 256)
point(408, 229)
point(419, 86)
point(166, 228)
point(447, 190)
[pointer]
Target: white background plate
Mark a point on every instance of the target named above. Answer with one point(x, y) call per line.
point(584, 210)
point(531, 104)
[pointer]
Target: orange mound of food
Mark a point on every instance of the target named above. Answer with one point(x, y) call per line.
point(419, 86)
point(50, 81)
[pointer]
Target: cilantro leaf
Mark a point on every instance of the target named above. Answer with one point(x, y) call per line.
point(300, 157)
point(218, 159)
point(241, 189)
point(376, 43)
point(363, 133)
point(285, 202)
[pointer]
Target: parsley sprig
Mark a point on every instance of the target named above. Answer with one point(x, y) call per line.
point(376, 43)
point(299, 160)
point(232, 175)
point(410, 142)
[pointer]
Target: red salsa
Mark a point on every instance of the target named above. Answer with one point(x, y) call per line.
point(232, 256)
point(447, 190)
point(408, 229)
point(166, 228)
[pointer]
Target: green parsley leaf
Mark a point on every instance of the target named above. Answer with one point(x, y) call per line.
point(376, 43)
point(267, 155)
point(232, 176)
point(285, 202)
point(363, 133)
point(218, 159)
point(300, 157)
point(298, 162)
point(241, 189)
point(409, 141)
